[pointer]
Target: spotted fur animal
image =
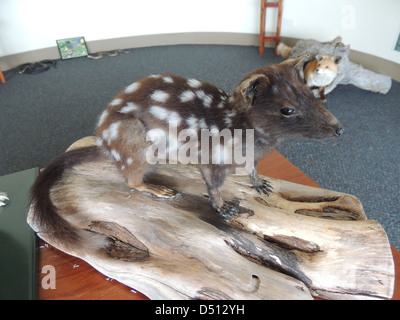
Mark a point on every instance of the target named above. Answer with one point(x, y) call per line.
point(268, 105)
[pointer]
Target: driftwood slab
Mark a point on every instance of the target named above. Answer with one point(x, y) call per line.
point(296, 242)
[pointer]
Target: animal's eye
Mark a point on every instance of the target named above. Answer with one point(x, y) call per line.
point(288, 111)
point(326, 67)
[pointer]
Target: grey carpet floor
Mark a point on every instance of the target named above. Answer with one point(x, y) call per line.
point(41, 115)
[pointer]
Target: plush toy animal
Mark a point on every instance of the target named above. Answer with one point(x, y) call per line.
point(348, 72)
point(320, 72)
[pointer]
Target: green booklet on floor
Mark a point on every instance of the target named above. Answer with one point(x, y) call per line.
point(18, 256)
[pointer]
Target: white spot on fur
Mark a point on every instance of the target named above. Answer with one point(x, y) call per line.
point(230, 113)
point(132, 88)
point(105, 134)
point(187, 96)
point(115, 155)
point(159, 112)
point(99, 141)
point(192, 123)
point(155, 135)
point(159, 96)
point(200, 94)
point(168, 79)
point(130, 106)
point(174, 118)
point(163, 114)
point(194, 83)
point(214, 130)
point(203, 124)
point(228, 121)
point(102, 118)
point(114, 130)
point(206, 98)
point(111, 133)
point(116, 102)
point(129, 161)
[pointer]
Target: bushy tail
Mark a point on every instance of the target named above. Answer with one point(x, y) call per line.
point(45, 213)
point(283, 50)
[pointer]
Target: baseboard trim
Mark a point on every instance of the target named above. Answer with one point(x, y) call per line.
point(370, 62)
point(14, 60)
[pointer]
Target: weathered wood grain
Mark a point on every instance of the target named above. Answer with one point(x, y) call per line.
point(297, 241)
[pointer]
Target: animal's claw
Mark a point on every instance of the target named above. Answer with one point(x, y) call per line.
point(265, 187)
point(231, 209)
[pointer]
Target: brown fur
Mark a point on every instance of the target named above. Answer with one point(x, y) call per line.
point(273, 101)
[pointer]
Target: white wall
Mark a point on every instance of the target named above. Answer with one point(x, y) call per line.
point(370, 26)
point(33, 24)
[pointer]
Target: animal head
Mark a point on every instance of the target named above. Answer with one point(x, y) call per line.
point(327, 64)
point(280, 104)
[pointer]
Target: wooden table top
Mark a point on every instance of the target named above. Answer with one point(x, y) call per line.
point(76, 279)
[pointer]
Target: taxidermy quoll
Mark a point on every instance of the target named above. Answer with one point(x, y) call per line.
point(272, 102)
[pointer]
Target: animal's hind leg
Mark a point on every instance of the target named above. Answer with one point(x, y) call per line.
point(322, 94)
point(213, 182)
point(130, 156)
point(214, 178)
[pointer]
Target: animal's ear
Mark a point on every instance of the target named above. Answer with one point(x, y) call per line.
point(251, 86)
point(338, 59)
point(299, 62)
point(318, 57)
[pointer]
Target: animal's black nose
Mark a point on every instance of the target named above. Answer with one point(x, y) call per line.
point(339, 131)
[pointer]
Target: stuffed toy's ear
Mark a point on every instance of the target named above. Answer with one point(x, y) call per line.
point(338, 59)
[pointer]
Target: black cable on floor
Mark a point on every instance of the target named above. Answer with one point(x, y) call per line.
point(36, 67)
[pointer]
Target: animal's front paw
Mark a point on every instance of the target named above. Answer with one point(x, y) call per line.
point(264, 187)
point(3, 199)
point(231, 209)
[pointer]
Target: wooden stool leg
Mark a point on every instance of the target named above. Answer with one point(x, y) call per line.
point(2, 77)
point(264, 5)
point(278, 27)
point(262, 27)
